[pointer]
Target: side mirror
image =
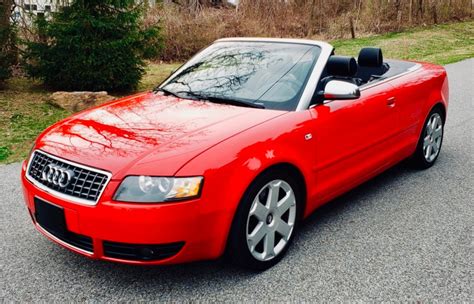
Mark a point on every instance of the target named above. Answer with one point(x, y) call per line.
point(337, 89)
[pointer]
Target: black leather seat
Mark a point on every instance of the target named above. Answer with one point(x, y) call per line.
point(370, 64)
point(340, 68)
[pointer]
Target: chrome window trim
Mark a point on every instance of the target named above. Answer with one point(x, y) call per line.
point(62, 195)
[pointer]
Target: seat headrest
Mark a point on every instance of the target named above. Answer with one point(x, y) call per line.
point(370, 57)
point(341, 66)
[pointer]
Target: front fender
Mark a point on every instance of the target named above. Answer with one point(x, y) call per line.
point(231, 166)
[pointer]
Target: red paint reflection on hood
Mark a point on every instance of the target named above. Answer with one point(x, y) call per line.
point(167, 131)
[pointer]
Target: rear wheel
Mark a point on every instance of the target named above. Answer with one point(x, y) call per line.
point(431, 139)
point(265, 221)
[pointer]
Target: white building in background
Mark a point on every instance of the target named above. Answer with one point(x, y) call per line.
point(26, 9)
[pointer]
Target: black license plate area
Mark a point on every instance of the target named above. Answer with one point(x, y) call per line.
point(50, 217)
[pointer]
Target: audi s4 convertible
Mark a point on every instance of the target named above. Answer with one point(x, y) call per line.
point(229, 154)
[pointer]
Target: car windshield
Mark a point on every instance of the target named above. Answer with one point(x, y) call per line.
point(258, 74)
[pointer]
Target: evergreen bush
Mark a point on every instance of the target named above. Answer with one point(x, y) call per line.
point(93, 45)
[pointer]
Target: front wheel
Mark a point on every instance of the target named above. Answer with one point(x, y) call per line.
point(431, 139)
point(265, 221)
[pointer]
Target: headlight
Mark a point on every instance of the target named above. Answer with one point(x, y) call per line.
point(150, 189)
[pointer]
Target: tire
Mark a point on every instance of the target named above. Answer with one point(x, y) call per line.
point(430, 141)
point(260, 213)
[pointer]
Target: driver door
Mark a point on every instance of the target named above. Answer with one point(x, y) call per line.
point(354, 140)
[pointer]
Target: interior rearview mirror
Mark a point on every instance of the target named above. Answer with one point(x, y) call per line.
point(338, 89)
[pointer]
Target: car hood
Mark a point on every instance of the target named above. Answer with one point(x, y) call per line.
point(135, 134)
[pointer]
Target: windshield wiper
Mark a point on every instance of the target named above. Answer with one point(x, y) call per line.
point(167, 92)
point(222, 100)
point(236, 102)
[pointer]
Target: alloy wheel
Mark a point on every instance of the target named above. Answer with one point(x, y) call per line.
point(433, 137)
point(271, 220)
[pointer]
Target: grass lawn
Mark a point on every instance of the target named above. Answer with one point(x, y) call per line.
point(440, 44)
point(25, 111)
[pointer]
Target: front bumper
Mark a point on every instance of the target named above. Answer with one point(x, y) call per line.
point(195, 225)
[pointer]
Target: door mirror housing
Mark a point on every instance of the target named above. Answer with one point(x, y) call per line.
point(340, 90)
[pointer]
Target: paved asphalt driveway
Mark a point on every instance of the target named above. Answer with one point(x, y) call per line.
point(404, 236)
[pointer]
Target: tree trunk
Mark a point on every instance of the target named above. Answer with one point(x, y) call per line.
point(399, 13)
point(320, 17)
point(311, 20)
point(351, 23)
point(8, 51)
point(470, 13)
point(420, 9)
point(5, 13)
point(434, 10)
point(410, 12)
point(359, 7)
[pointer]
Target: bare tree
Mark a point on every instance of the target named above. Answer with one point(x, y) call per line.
point(434, 11)
point(398, 9)
point(419, 13)
point(351, 25)
point(410, 12)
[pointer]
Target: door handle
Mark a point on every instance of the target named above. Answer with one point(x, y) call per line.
point(391, 101)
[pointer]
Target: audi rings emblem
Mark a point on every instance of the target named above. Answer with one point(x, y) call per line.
point(57, 175)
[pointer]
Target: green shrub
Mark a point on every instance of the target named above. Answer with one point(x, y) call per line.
point(4, 153)
point(93, 45)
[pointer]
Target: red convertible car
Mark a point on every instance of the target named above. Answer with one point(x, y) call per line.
point(231, 152)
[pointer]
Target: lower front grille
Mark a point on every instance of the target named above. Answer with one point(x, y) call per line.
point(51, 219)
point(141, 252)
point(79, 241)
